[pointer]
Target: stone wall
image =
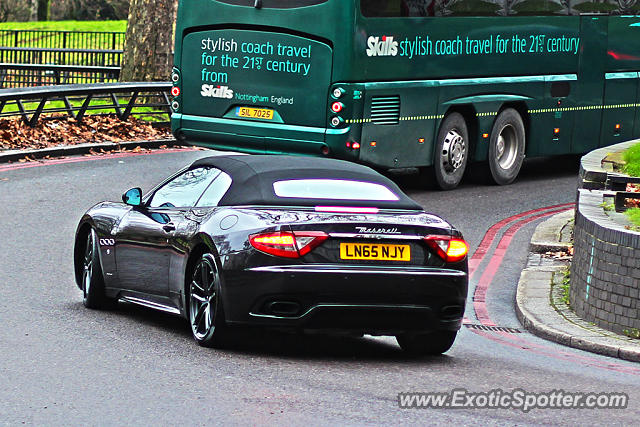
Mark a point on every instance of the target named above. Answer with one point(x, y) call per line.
point(605, 272)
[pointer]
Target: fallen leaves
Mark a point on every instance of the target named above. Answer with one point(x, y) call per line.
point(560, 254)
point(632, 203)
point(53, 131)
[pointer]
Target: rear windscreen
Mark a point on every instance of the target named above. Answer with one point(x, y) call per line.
point(334, 189)
point(274, 4)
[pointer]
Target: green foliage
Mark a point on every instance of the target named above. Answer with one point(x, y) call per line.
point(566, 285)
point(632, 159)
point(632, 333)
point(608, 207)
point(634, 215)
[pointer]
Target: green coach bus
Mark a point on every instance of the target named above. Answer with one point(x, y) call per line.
point(431, 84)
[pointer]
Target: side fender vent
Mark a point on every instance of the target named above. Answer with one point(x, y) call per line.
point(385, 110)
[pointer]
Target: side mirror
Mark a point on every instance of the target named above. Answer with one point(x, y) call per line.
point(133, 197)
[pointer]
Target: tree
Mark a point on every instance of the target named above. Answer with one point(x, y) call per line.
point(33, 5)
point(43, 10)
point(148, 49)
point(14, 10)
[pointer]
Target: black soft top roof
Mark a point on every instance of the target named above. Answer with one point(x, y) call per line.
point(253, 177)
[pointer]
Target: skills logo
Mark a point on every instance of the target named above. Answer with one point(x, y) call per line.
point(212, 91)
point(384, 47)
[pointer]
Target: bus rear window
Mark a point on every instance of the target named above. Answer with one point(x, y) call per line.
point(333, 189)
point(396, 8)
point(274, 4)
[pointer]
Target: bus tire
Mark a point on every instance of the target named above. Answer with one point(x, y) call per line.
point(451, 151)
point(506, 147)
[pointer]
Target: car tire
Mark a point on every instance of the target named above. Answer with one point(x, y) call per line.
point(92, 285)
point(206, 315)
point(433, 343)
point(451, 152)
point(506, 147)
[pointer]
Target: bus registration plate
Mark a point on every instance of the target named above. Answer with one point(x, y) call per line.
point(255, 113)
point(375, 251)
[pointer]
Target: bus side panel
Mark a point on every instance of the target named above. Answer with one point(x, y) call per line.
point(392, 49)
point(623, 61)
point(399, 125)
point(590, 90)
point(618, 114)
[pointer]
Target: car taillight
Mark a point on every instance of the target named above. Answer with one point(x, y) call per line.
point(449, 248)
point(287, 244)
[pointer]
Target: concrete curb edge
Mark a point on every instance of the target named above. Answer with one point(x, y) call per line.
point(536, 313)
point(73, 150)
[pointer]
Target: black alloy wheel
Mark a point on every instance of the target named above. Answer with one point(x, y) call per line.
point(93, 295)
point(205, 306)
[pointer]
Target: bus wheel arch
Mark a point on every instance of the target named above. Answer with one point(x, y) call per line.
point(451, 150)
point(507, 145)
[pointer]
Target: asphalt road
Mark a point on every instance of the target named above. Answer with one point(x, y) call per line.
point(63, 364)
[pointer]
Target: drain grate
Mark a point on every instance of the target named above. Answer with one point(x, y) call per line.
point(493, 328)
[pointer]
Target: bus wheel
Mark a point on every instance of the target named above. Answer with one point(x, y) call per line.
point(506, 147)
point(452, 151)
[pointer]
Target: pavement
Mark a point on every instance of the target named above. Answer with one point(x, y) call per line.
point(539, 299)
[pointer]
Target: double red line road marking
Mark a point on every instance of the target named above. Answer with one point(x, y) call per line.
point(513, 225)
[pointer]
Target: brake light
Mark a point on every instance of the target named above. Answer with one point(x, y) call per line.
point(346, 209)
point(287, 244)
point(449, 248)
point(175, 91)
point(336, 107)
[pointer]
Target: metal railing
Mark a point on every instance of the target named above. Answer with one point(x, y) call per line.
point(122, 99)
point(63, 39)
point(23, 75)
point(90, 55)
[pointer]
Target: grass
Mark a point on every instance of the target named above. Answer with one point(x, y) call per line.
point(608, 207)
point(632, 159)
point(566, 285)
point(633, 215)
point(150, 114)
point(66, 26)
point(79, 41)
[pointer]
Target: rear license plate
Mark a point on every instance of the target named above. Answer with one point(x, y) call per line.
point(375, 251)
point(254, 113)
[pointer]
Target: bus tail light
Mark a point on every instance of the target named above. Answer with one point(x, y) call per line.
point(556, 131)
point(449, 248)
point(355, 145)
point(287, 244)
point(336, 107)
point(175, 91)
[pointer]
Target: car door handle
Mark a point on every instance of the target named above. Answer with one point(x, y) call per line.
point(169, 227)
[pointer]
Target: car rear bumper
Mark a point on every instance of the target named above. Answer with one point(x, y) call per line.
point(358, 298)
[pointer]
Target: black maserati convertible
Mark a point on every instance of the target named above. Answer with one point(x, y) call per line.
point(278, 241)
